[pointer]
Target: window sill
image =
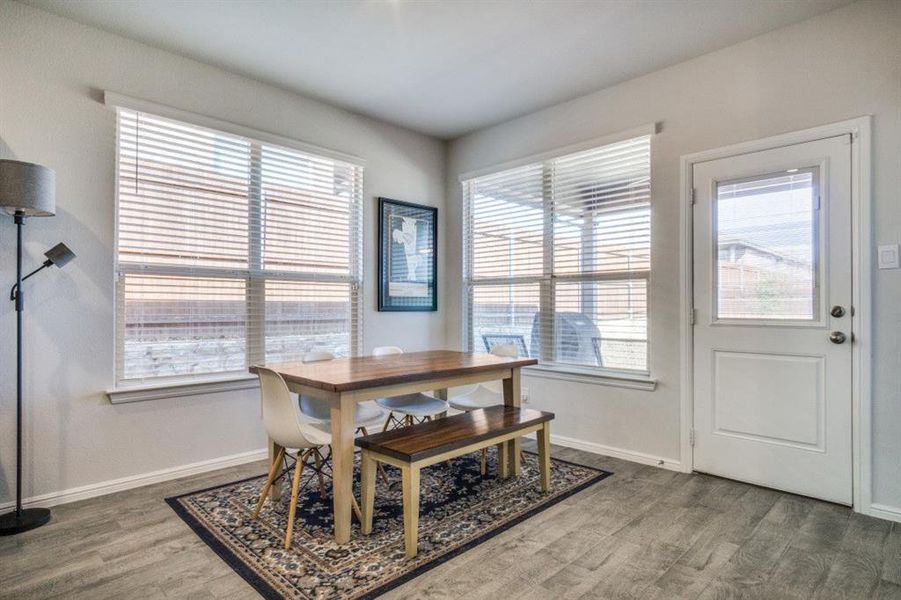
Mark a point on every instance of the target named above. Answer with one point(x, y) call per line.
point(159, 391)
point(574, 374)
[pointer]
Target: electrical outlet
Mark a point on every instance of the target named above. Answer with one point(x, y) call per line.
point(525, 395)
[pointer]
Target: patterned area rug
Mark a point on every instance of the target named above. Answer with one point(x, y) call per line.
point(458, 510)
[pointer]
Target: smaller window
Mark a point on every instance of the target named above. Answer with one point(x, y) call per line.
point(557, 258)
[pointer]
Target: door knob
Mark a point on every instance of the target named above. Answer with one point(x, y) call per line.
point(837, 337)
point(837, 311)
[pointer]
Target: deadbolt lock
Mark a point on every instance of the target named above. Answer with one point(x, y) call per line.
point(837, 311)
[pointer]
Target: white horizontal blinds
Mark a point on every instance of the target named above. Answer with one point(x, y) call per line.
point(602, 248)
point(231, 251)
point(558, 257)
point(309, 205)
point(508, 224)
point(183, 194)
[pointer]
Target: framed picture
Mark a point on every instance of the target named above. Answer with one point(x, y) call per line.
point(408, 256)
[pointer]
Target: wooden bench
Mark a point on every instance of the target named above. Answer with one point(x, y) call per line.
point(412, 448)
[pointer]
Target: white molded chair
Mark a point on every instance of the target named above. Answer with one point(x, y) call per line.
point(367, 415)
point(414, 407)
point(483, 395)
point(289, 429)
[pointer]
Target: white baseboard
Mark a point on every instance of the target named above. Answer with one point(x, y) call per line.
point(133, 481)
point(630, 455)
point(883, 511)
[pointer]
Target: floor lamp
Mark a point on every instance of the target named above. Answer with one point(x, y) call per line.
point(26, 190)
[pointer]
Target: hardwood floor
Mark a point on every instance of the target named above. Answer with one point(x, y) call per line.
point(643, 533)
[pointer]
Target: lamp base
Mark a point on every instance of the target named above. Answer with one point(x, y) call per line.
point(30, 518)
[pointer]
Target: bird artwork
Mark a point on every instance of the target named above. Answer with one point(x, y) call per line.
point(406, 236)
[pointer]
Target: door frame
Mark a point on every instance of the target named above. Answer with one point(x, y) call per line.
point(860, 130)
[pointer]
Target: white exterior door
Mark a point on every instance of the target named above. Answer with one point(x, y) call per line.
point(772, 333)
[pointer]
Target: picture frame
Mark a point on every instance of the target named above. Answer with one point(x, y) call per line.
point(408, 256)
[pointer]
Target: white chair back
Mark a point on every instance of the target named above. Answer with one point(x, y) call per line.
point(281, 415)
point(317, 356)
point(386, 350)
point(506, 350)
point(496, 387)
point(315, 407)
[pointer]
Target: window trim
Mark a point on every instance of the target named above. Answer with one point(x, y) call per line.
point(177, 386)
point(650, 129)
point(620, 378)
point(114, 100)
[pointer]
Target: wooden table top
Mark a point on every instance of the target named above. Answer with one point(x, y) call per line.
point(361, 372)
point(412, 444)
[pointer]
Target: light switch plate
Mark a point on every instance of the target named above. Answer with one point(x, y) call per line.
point(888, 256)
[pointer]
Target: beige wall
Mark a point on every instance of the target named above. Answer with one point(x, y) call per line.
point(840, 65)
point(52, 71)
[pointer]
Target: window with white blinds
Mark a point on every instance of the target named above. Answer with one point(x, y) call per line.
point(231, 251)
point(557, 258)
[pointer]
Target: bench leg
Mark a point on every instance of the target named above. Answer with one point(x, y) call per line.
point(544, 456)
point(503, 462)
point(367, 484)
point(514, 453)
point(410, 476)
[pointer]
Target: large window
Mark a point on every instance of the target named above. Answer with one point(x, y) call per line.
point(231, 251)
point(557, 258)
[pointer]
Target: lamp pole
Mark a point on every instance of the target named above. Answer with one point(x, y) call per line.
point(26, 190)
point(21, 519)
point(20, 223)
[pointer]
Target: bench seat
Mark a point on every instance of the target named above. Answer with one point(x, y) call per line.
point(413, 448)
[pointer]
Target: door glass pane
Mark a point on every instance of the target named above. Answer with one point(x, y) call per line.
point(766, 236)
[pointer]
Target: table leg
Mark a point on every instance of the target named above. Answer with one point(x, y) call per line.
point(544, 456)
point(512, 396)
point(275, 492)
point(342, 465)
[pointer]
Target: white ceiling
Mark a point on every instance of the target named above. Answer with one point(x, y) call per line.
point(440, 67)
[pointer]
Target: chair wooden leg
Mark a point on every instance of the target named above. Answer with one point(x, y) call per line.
point(272, 471)
point(387, 422)
point(356, 509)
point(411, 509)
point(295, 488)
point(367, 491)
point(483, 466)
point(318, 458)
point(544, 456)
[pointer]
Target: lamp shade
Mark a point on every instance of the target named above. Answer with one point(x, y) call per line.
point(27, 188)
point(59, 255)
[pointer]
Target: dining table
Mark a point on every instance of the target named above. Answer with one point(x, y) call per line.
point(344, 382)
